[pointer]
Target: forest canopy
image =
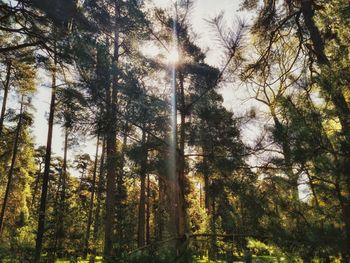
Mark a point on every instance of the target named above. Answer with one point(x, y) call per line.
point(179, 171)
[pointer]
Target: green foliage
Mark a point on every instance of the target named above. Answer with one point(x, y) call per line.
point(162, 254)
point(259, 248)
point(287, 196)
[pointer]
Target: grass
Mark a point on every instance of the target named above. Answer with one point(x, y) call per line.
point(205, 260)
point(98, 259)
point(261, 259)
point(197, 260)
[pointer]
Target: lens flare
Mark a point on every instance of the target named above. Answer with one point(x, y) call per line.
point(173, 56)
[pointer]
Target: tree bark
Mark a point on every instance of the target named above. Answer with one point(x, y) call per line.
point(111, 147)
point(142, 220)
point(46, 175)
point(36, 185)
point(91, 205)
point(181, 216)
point(307, 10)
point(213, 240)
point(100, 188)
point(160, 211)
point(13, 161)
point(4, 101)
point(63, 192)
point(58, 215)
point(206, 187)
point(121, 195)
point(142, 201)
point(148, 212)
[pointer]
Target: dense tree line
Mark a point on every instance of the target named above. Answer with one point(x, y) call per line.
point(155, 192)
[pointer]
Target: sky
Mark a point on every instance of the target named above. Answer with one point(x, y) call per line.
point(203, 10)
point(205, 38)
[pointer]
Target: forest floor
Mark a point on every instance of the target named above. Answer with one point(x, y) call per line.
point(265, 259)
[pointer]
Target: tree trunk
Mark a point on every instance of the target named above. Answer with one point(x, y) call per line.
point(121, 195)
point(180, 182)
point(110, 195)
point(142, 201)
point(307, 10)
point(13, 161)
point(100, 187)
point(46, 175)
point(63, 193)
point(159, 227)
point(213, 217)
point(142, 219)
point(206, 186)
point(148, 212)
point(36, 185)
point(58, 215)
point(4, 101)
point(91, 205)
point(181, 216)
point(112, 147)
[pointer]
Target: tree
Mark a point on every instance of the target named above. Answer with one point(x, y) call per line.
point(13, 162)
point(20, 74)
point(303, 22)
point(56, 50)
point(91, 205)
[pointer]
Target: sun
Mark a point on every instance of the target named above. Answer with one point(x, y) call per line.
point(173, 56)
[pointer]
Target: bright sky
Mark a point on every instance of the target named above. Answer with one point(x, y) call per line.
point(203, 9)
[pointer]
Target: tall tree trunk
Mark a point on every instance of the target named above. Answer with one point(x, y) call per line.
point(100, 187)
point(63, 192)
point(148, 212)
point(46, 175)
point(142, 201)
point(159, 226)
point(91, 205)
point(206, 186)
point(201, 196)
point(307, 9)
point(181, 223)
point(141, 217)
point(36, 185)
point(110, 194)
point(213, 240)
point(13, 161)
point(6, 91)
point(112, 147)
point(180, 182)
point(57, 208)
point(121, 195)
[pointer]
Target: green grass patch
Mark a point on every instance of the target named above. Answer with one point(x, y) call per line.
point(205, 260)
point(97, 259)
